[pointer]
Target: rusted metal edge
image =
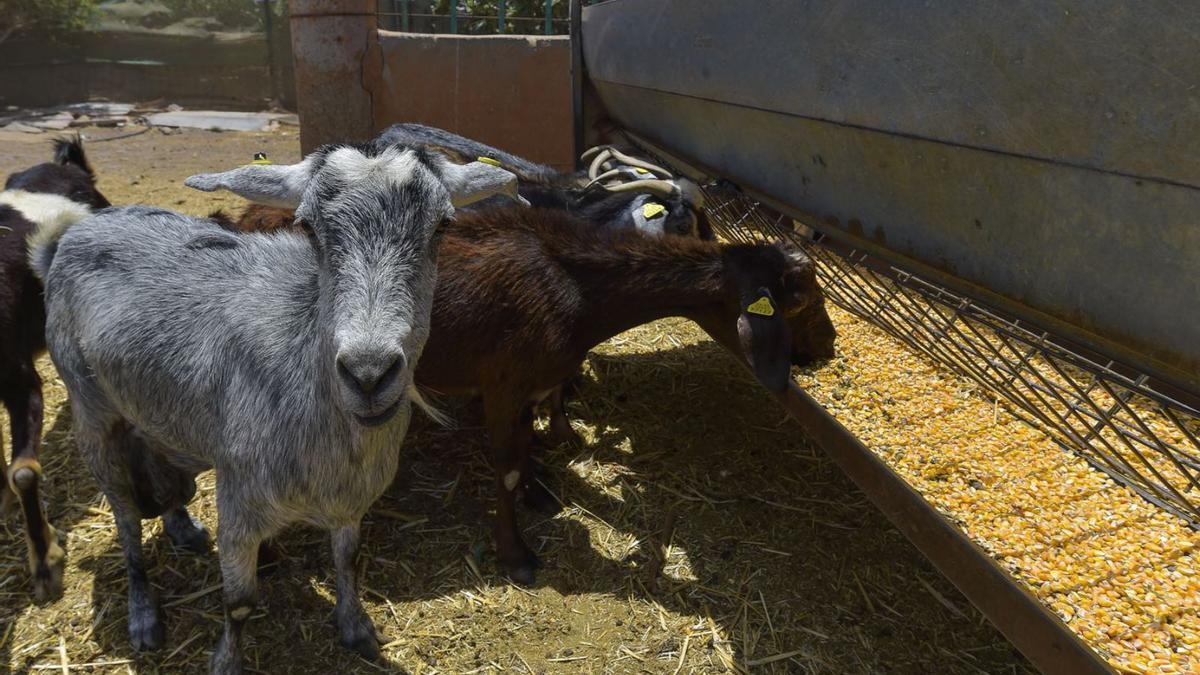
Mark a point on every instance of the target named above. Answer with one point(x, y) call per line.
point(1032, 628)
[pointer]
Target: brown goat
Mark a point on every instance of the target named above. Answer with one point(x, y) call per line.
point(524, 294)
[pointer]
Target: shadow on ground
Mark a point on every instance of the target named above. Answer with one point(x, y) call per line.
point(700, 529)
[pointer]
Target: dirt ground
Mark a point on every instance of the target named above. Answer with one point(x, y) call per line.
point(703, 532)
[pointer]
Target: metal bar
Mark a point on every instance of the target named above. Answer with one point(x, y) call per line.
point(269, 33)
point(576, 12)
point(404, 13)
point(453, 16)
point(501, 11)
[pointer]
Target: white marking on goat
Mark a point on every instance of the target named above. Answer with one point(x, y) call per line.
point(394, 165)
point(240, 613)
point(52, 214)
point(511, 479)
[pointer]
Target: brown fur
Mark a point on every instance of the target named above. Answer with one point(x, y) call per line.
point(523, 294)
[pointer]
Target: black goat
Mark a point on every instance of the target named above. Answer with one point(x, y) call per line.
point(36, 203)
point(650, 199)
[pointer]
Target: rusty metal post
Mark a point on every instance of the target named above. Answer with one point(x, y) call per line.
point(335, 47)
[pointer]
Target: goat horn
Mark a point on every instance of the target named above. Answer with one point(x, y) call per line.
point(641, 163)
point(587, 154)
point(600, 159)
point(663, 188)
point(612, 173)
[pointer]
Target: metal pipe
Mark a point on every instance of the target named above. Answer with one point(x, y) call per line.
point(500, 12)
point(454, 16)
point(576, 12)
point(549, 16)
point(269, 32)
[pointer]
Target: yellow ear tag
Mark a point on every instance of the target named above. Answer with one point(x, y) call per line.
point(640, 170)
point(489, 160)
point(762, 307)
point(652, 210)
point(261, 158)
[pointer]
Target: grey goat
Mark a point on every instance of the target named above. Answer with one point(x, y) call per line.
point(285, 365)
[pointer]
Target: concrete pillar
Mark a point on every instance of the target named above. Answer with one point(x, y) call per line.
point(335, 48)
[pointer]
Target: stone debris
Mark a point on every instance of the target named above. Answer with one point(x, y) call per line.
point(156, 113)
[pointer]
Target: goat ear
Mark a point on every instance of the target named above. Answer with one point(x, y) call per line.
point(279, 185)
point(766, 339)
point(472, 182)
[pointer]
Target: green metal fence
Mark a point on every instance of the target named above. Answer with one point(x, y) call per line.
point(476, 17)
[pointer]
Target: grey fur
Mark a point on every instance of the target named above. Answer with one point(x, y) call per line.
point(183, 348)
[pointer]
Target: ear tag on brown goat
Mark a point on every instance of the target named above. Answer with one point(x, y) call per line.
point(261, 158)
point(489, 160)
point(762, 307)
point(652, 210)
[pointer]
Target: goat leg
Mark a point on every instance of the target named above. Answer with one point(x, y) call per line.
point(185, 531)
point(560, 425)
point(24, 477)
point(238, 552)
point(533, 477)
point(355, 628)
point(146, 630)
point(506, 415)
point(537, 497)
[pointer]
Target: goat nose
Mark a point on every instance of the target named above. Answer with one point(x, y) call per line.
point(369, 370)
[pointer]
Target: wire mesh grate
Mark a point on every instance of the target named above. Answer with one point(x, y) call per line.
point(1105, 412)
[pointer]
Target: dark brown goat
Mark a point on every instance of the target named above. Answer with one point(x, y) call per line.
point(524, 294)
point(33, 202)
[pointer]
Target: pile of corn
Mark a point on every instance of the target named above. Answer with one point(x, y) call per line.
point(1118, 570)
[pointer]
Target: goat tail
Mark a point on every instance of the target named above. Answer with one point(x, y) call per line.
point(431, 410)
point(69, 151)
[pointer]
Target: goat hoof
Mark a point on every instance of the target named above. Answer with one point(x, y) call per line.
point(563, 434)
point(523, 572)
point(538, 498)
point(48, 582)
point(366, 647)
point(360, 636)
point(146, 630)
point(194, 538)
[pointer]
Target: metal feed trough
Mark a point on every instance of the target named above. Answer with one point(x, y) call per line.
point(1031, 231)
